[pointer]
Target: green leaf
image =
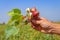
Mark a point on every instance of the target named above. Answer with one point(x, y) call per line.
point(16, 16)
point(11, 13)
point(17, 10)
point(11, 30)
point(14, 12)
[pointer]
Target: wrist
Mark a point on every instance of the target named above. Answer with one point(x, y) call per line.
point(55, 28)
point(51, 28)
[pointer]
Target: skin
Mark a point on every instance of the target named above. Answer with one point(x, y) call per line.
point(45, 26)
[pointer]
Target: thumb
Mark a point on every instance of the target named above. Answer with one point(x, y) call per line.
point(36, 21)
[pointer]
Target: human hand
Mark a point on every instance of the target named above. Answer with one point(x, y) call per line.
point(42, 25)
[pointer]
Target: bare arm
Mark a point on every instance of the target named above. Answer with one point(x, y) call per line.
point(46, 26)
point(56, 28)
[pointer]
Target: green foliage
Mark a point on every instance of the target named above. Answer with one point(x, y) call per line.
point(27, 33)
point(14, 12)
point(16, 29)
point(16, 17)
point(11, 31)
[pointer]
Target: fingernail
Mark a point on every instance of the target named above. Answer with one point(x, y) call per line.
point(33, 21)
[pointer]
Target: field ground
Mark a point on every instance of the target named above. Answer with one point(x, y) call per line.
point(28, 33)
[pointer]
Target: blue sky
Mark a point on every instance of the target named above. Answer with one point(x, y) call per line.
point(49, 9)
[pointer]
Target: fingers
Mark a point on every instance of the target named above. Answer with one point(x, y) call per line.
point(46, 32)
point(36, 22)
point(36, 27)
point(32, 25)
point(42, 25)
point(43, 31)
